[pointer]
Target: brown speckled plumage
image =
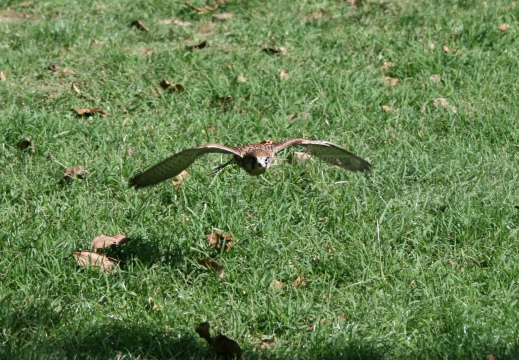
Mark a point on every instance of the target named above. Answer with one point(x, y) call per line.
point(255, 159)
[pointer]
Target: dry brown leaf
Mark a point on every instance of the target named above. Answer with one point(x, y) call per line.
point(299, 157)
point(310, 328)
point(177, 180)
point(97, 42)
point(292, 116)
point(2, 76)
point(441, 102)
point(212, 129)
point(274, 285)
point(283, 74)
point(217, 240)
point(503, 27)
point(68, 71)
point(166, 85)
point(90, 111)
point(391, 81)
point(182, 23)
point(152, 305)
point(222, 16)
point(386, 108)
point(146, 51)
point(25, 144)
point(224, 100)
point(300, 281)
point(204, 9)
point(166, 21)
point(139, 25)
point(221, 344)
point(202, 45)
point(86, 258)
point(387, 66)
point(435, 78)
point(104, 241)
point(74, 172)
point(451, 51)
point(74, 88)
point(210, 264)
point(274, 50)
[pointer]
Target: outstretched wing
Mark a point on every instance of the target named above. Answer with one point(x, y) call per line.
point(328, 152)
point(173, 165)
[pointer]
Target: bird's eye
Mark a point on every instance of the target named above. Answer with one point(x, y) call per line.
point(266, 160)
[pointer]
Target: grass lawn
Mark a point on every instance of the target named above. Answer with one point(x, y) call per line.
point(417, 259)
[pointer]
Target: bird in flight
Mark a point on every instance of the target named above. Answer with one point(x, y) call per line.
point(255, 159)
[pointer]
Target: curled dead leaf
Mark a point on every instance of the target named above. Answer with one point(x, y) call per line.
point(310, 328)
point(223, 16)
point(74, 172)
point(177, 180)
point(217, 240)
point(104, 241)
point(221, 344)
point(441, 102)
point(166, 85)
point(25, 144)
point(451, 51)
point(90, 111)
point(139, 25)
point(202, 45)
point(97, 42)
point(74, 88)
point(503, 27)
point(283, 74)
point(2, 76)
point(87, 258)
point(274, 50)
point(146, 51)
point(300, 281)
point(386, 108)
point(391, 81)
point(210, 264)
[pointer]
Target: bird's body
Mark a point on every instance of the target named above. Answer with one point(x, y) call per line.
point(255, 159)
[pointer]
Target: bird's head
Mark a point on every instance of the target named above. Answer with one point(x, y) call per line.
point(256, 165)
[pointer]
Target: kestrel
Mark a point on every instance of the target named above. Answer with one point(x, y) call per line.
point(255, 159)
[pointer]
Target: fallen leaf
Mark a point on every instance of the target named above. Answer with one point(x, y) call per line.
point(217, 240)
point(391, 81)
point(283, 75)
point(25, 4)
point(139, 25)
point(431, 45)
point(97, 42)
point(221, 344)
point(387, 66)
point(182, 23)
point(68, 71)
point(274, 50)
point(355, 3)
point(292, 116)
point(224, 100)
point(74, 172)
point(300, 281)
point(207, 29)
point(104, 241)
point(435, 78)
point(451, 51)
point(241, 78)
point(202, 45)
point(222, 16)
point(25, 144)
point(146, 51)
point(441, 102)
point(2, 76)
point(166, 21)
point(86, 258)
point(491, 357)
point(90, 111)
point(177, 180)
point(299, 157)
point(204, 9)
point(386, 108)
point(152, 305)
point(310, 328)
point(503, 27)
point(166, 85)
point(210, 264)
point(274, 285)
point(74, 88)
point(212, 129)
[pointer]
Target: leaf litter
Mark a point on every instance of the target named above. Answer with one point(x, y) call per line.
point(218, 240)
point(105, 241)
point(87, 258)
point(72, 173)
